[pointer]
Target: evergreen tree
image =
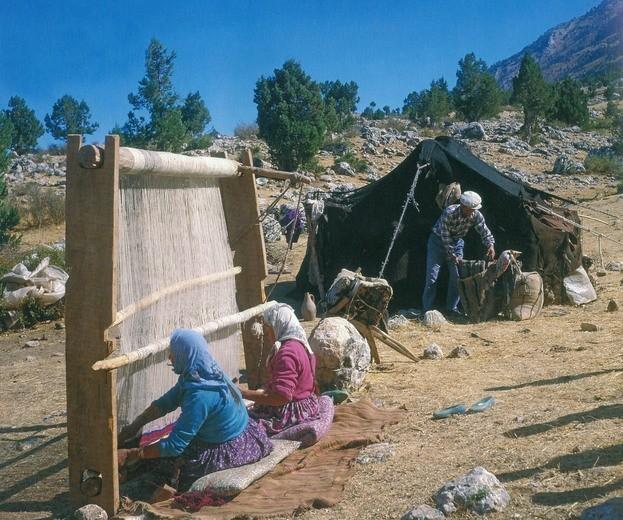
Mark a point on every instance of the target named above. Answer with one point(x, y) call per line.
point(431, 104)
point(371, 112)
point(570, 103)
point(9, 216)
point(69, 116)
point(533, 93)
point(290, 115)
point(195, 114)
point(341, 101)
point(26, 127)
point(156, 120)
point(476, 94)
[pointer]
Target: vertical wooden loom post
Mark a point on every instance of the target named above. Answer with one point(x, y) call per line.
point(91, 232)
point(247, 240)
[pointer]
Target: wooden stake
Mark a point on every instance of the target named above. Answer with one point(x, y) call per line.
point(365, 331)
point(90, 306)
point(393, 343)
point(314, 266)
point(275, 174)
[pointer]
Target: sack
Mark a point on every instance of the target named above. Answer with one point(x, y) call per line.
point(579, 288)
point(527, 299)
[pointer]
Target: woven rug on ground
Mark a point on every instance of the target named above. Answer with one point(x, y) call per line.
point(313, 477)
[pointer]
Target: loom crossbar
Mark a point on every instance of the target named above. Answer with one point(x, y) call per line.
point(114, 362)
point(130, 310)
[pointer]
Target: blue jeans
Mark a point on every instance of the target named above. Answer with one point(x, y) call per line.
point(436, 255)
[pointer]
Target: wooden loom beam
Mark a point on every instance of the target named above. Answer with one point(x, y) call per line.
point(133, 161)
point(242, 215)
point(91, 231)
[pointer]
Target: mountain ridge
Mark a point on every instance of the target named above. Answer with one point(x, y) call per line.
point(587, 45)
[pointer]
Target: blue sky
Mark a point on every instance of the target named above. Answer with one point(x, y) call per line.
point(95, 50)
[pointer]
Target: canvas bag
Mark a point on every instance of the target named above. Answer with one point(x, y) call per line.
point(527, 299)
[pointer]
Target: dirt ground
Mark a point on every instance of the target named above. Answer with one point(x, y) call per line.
point(553, 438)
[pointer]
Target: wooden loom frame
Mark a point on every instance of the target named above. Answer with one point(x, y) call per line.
point(92, 205)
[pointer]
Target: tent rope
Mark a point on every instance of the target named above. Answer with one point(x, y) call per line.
point(410, 199)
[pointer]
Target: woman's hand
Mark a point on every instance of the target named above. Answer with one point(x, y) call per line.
point(127, 457)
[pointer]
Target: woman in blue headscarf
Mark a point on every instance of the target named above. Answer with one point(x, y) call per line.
point(213, 432)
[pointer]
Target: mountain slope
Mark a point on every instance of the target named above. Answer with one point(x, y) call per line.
point(586, 45)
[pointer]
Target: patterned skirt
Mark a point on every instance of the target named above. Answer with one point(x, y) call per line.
point(275, 419)
point(201, 458)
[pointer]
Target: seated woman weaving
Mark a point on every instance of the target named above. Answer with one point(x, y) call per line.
point(289, 397)
point(213, 432)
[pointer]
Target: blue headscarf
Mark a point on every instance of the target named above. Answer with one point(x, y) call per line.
point(195, 365)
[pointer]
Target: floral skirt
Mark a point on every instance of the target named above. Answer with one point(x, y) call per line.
point(275, 419)
point(201, 458)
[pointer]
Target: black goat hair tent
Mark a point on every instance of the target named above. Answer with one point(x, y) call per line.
point(356, 227)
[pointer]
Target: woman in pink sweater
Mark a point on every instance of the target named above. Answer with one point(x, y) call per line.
point(289, 397)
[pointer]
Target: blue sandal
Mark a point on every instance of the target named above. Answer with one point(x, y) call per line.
point(455, 409)
point(481, 406)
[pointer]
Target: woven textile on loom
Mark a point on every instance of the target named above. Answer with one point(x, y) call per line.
point(171, 231)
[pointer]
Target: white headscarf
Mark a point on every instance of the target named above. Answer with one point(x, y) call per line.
point(284, 322)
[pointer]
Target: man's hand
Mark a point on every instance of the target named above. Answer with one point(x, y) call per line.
point(491, 252)
point(456, 260)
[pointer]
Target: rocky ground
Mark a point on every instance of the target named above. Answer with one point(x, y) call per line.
point(553, 436)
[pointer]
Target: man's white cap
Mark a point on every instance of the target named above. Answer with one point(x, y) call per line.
point(471, 199)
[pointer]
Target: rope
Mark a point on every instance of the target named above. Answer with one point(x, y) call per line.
point(261, 217)
point(285, 257)
point(410, 198)
point(580, 226)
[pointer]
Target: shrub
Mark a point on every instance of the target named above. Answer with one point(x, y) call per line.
point(246, 130)
point(604, 165)
point(357, 163)
point(41, 206)
point(31, 313)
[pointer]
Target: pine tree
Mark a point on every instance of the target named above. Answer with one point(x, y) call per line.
point(290, 115)
point(26, 127)
point(156, 120)
point(476, 94)
point(69, 116)
point(341, 101)
point(9, 216)
point(431, 104)
point(570, 103)
point(533, 93)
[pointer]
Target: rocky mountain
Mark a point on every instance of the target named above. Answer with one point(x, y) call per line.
point(586, 45)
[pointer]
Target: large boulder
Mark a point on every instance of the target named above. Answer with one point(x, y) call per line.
point(478, 491)
point(342, 354)
point(567, 166)
point(343, 168)
point(90, 512)
point(473, 131)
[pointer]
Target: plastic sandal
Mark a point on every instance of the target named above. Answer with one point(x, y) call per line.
point(338, 396)
point(455, 409)
point(484, 404)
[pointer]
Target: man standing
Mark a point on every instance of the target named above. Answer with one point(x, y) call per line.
point(445, 243)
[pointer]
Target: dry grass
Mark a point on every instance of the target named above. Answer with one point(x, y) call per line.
point(554, 436)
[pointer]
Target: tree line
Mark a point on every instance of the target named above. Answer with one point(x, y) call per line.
point(295, 113)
